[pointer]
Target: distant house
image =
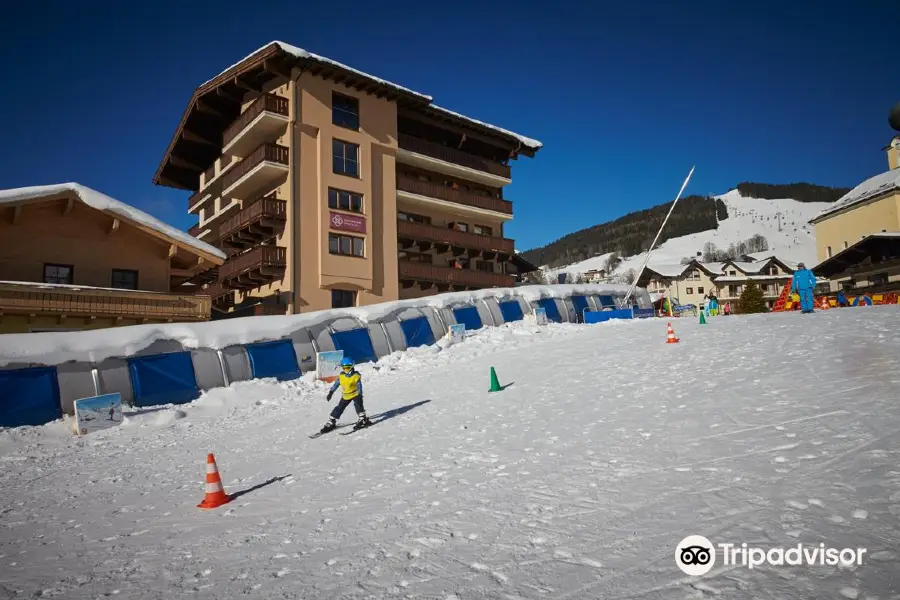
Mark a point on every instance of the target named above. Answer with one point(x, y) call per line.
point(691, 283)
point(73, 258)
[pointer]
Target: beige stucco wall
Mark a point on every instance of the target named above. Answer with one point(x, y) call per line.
point(861, 220)
point(42, 234)
point(893, 155)
point(316, 272)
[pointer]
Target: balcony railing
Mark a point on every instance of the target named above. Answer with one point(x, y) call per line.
point(457, 277)
point(463, 239)
point(254, 267)
point(265, 213)
point(432, 190)
point(452, 155)
point(264, 153)
point(265, 103)
point(87, 302)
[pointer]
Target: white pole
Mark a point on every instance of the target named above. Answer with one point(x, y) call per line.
point(658, 233)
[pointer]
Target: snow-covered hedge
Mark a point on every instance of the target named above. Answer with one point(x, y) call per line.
point(41, 374)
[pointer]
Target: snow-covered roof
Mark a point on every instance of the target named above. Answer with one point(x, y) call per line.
point(302, 53)
point(526, 141)
point(870, 188)
point(104, 203)
point(712, 267)
point(669, 270)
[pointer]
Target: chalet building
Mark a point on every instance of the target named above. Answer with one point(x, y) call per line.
point(328, 187)
point(858, 237)
point(691, 283)
point(72, 258)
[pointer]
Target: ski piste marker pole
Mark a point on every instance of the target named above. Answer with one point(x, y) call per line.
point(658, 233)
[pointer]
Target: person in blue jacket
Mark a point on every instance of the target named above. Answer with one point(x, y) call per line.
point(842, 298)
point(350, 382)
point(803, 283)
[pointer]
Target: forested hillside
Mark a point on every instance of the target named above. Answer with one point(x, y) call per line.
point(633, 233)
point(801, 192)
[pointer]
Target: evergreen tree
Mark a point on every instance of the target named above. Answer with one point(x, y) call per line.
point(751, 300)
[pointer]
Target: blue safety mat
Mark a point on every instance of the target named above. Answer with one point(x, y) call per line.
point(29, 397)
point(417, 332)
point(468, 316)
point(511, 311)
point(356, 344)
point(163, 379)
point(273, 359)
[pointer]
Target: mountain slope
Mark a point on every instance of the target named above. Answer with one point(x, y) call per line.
point(783, 222)
point(632, 234)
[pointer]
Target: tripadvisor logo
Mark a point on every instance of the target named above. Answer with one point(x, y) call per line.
point(695, 555)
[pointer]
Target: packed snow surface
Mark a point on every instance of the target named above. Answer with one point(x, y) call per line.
point(577, 481)
point(104, 203)
point(784, 223)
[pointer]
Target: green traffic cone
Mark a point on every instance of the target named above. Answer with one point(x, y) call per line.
point(702, 319)
point(495, 383)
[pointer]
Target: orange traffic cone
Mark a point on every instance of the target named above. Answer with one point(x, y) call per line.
point(670, 335)
point(825, 305)
point(215, 493)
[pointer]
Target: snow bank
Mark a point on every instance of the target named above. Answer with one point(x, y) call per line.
point(104, 203)
point(55, 348)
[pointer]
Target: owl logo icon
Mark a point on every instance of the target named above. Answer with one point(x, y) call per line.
point(695, 555)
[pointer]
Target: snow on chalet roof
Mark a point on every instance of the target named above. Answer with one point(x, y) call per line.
point(668, 270)
point(306, 54)
point(870, 188)
point(104, 203)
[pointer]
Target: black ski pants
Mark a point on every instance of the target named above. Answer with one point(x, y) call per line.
point(343, 404)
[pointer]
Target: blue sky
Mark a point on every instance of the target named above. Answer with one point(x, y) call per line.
point(625, 98)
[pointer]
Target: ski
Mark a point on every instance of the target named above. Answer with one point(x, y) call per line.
point(320, 434)
point(352, 431)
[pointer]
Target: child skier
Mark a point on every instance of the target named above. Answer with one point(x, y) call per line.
point(350, 382)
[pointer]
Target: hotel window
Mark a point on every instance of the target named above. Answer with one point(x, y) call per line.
point(483, 265)
point(345, 158)
point(458, 226)
point(699, 290)
point(689, 290)
point(345, 245)
point(343, 298)
point(124, 279)
point(482, 230)
point(845, 245)
point(343, 200)
point(829, 251)
point(54, 273)
point(344, 111)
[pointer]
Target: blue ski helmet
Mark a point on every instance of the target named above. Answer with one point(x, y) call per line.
point(347, 363)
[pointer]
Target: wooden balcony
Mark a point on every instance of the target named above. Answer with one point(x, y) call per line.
point(263, 121)
point(418, 191)
point(222, 297)
point(102, 303)
point(447, 278)
point(443, 239)
point(430, 155)
point(254, 224)
point(194, 230)
point(258, 170)
point(260, 266)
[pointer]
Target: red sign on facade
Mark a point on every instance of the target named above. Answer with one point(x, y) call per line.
point(344, 222)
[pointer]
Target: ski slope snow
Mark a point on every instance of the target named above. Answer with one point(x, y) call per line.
point(577, 481)
point(784, 223)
